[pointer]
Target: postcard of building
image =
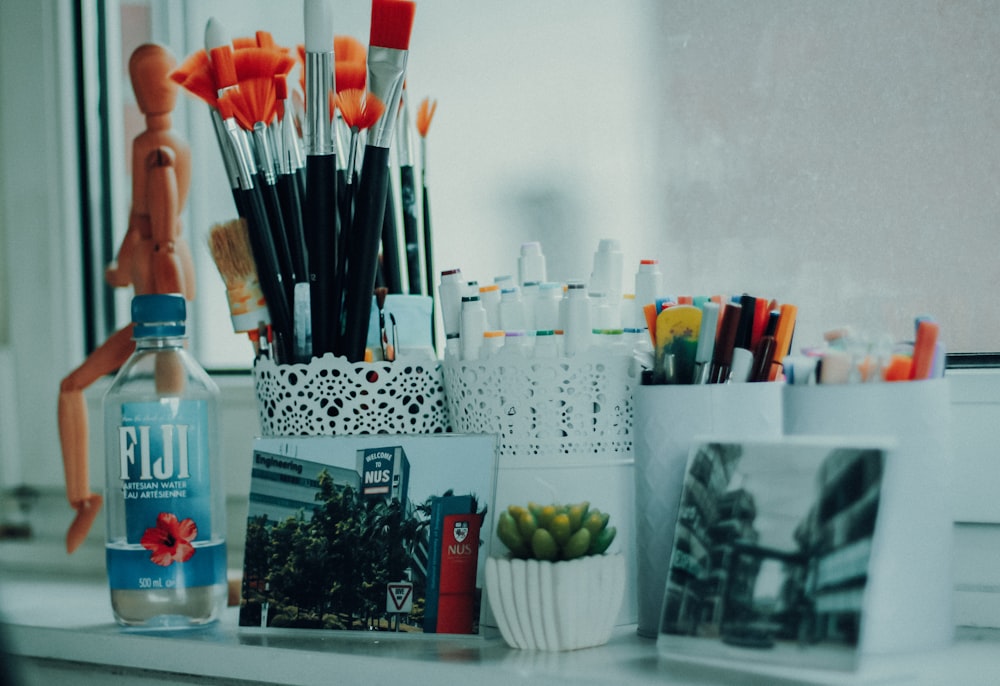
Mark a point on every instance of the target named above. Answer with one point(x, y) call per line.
point(369, 532)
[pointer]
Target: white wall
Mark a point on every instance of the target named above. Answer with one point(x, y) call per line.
point(41, 232)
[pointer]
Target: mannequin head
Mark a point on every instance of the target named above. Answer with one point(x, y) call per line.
point(149, 68)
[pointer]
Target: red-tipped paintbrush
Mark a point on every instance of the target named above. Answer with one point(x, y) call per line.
point(392, 22)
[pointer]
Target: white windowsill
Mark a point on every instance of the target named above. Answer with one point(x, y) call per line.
point(53, 622)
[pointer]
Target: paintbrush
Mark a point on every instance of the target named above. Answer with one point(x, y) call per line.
point(351, 77)
point(390, 267)
point(359, 110)
point(408, 200)
point(265, 252)
point(424, 117)
point(253, 103)
point(196, 77)
point(392, 22)
point(288, 163)
point(261, 237)
point(321, 218)
point(229, 243)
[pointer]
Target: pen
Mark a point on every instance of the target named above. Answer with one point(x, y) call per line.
point(722, 355)
point(923, 350)
point(763, 358)
point(783, 337)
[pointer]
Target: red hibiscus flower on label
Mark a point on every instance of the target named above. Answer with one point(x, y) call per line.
point(170, 540)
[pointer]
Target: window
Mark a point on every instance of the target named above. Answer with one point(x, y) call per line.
point(839, 157)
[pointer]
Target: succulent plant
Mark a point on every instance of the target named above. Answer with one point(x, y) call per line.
point(555, 532)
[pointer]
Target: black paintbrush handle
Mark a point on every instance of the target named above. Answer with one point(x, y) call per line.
point(321, 246)
point(428, 244)
point(411, 230)
point(241, 210)
point(264, 255)
point(279, 234)
point(362, 256)
point(345, 200)
point(392, 269)
point(291, 210)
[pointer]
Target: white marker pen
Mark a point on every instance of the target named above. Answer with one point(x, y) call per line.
point(575, 318)
point(511, 309)
point(473, 327)
point(608, 265)
point(531, 263)
point(648, 286)
point(490, 297)
point(550, 294)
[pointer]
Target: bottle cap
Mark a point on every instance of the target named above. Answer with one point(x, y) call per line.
point(158, 315)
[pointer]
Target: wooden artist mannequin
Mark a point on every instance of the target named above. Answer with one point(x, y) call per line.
point(153, 258)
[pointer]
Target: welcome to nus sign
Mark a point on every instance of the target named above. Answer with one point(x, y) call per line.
point(384, 472)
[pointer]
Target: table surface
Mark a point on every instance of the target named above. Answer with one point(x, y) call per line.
point(51, 618)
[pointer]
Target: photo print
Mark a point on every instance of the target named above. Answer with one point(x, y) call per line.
point(369, 533)
point(771, 552)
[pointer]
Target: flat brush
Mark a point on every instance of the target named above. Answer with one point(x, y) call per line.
point(321, 213)
point(392, 22)
point(229, 243)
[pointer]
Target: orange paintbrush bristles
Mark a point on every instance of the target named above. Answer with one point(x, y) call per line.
point(253, 101)
point(262, 62)
point(223, 67)
point(424, 116)
point(348, 49)
point(350, 75)
point(359, 108)
point(195, 76)
point(266, 40)
point(244, 42)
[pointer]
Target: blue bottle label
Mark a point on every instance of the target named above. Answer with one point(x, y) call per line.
point(166, 487)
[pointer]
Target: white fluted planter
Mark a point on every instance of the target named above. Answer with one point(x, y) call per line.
point(563, 605)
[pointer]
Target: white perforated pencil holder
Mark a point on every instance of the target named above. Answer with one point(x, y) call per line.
point(331, 396)
point(547, 407)
point(565, 435)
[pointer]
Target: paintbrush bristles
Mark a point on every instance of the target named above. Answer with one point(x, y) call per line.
point(360, 109)
point(260, 62)
point(424, 116)
point(229, 243)
point(392, 24)
point(351, 75)
point(349, 49)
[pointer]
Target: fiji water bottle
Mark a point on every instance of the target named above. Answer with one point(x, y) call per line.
point(166, 547)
